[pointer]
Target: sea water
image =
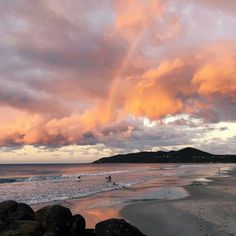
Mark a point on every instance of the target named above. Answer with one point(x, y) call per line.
point(40, 183)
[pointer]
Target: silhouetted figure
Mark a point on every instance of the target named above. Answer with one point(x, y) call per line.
point(79, 178)
point(108, 178)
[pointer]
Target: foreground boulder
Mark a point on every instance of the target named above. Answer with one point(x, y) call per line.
point(55, 219)
point(18, 219)
point(6, 209)
point(117, 227)
point(22, 228)
point(90, 232)
point(22, 212)
point(78, 225)
point(2, 225)
point(49, 234)
point(11, 210)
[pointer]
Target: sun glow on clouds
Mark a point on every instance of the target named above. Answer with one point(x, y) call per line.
point(84, 79)
point(148, 123)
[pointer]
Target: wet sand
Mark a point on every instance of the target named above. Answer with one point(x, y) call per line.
point(209, 210)
point(106, 205)
point(190, 210)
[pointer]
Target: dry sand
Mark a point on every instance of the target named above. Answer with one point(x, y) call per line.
point(209, 210)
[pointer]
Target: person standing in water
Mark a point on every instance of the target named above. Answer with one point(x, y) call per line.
point(108, 178)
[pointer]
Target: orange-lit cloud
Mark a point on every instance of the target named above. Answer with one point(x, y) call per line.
point(87, 72)
point(153, 95)
point(218, 75)
point(134, 16)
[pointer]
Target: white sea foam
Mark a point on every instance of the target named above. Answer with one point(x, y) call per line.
point(52, 183)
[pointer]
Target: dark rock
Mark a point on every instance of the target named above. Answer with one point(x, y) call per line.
point(90, 232)
point(2, 225)
point(6, 209)
point(22, 212)
point(78, 225)
point(11, 210)
point(22, 228)
point(117, 227)
point(49, 234)
point(55, 219)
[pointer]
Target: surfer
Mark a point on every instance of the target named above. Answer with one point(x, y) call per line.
point(79, 178)
point(108, 178)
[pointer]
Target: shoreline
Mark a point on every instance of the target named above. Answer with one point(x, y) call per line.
point(194, 203)
point(110, 204)
point(208, 210)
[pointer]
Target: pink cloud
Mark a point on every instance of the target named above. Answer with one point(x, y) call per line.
point(72, 71)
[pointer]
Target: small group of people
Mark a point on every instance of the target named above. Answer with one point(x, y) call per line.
point(108, 179)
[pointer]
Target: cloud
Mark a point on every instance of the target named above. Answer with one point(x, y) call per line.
point(152, 96)
point(84, 72)
point(218, 75)
point(133, 18)
point(228, 7)
point(199, 87)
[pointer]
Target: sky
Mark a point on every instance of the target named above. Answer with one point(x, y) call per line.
point(84, 79)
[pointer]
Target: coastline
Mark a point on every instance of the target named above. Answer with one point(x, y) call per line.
point(132, 203)
point(194, 203)
point(209, 210)
point(108, 204)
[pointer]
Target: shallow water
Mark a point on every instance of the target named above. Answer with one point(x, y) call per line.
point(45, 183)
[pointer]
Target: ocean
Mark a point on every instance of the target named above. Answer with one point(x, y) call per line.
point(41, 183)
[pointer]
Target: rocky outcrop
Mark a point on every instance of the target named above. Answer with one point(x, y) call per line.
point(18, 219)
point(117, 227)
point(11, 210)
point(55, 219)
point(6, 209)
point(22, 228)
point(49, 234)
point(22, 212)
point(2, 225)
point(78, 225)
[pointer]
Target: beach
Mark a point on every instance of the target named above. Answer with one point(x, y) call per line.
point(205, 207)
point(209, 210)
point(183, 200)
point(118, 118)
